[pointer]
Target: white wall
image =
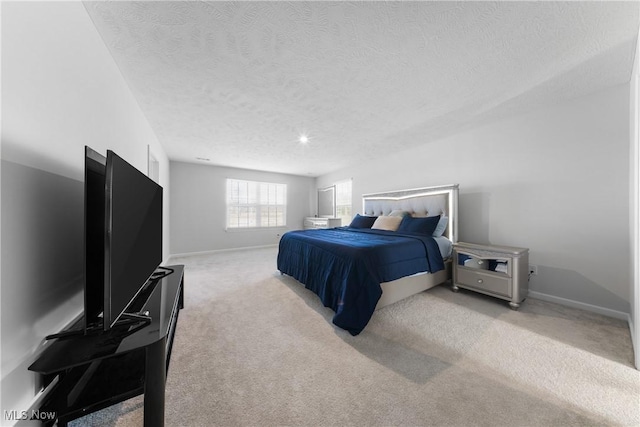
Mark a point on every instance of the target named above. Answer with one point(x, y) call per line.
point(554, 180)
point(198, 207)
point(61, 90)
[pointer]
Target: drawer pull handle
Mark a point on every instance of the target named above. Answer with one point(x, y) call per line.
point(479, 280)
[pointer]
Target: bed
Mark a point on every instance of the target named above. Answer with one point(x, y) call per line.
point(357, 270)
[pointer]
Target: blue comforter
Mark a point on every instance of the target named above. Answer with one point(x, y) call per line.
point(345, 266)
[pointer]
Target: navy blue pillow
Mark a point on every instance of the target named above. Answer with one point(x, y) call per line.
point(425, 225)
point(360, 221)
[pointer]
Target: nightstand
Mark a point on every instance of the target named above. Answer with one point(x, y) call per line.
point(499, 271)
point(312, 222)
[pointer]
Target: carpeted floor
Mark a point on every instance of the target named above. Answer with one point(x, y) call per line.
point(254, 348)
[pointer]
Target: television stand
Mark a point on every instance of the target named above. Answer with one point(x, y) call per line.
point(126, 319)
point(96, 371)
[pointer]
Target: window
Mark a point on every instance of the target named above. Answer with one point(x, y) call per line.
point(252, 204)
point(343, 202)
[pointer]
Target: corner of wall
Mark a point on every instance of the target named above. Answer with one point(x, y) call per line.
point(634, 198)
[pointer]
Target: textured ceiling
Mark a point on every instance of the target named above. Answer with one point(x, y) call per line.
point(238, 82)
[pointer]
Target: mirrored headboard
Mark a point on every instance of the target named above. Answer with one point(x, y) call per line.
point(419, 202)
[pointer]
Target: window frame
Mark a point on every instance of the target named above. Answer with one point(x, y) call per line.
point(276, 192)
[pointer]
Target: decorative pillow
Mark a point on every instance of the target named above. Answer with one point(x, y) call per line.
point(390, 223)
point(361, 221)
point(399, 212)
point(424, 225)
point(442, 225)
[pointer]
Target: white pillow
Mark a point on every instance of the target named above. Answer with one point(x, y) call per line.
point(399, 212)
point(442, 225)
point(390, 223)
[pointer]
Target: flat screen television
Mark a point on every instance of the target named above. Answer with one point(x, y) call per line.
point(94, 233)
point(123, 236)
point(133, 244)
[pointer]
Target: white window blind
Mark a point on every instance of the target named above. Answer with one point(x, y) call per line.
point(343, 202)
point(252, 204)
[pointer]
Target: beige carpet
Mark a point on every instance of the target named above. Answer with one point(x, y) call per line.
point(254, 348)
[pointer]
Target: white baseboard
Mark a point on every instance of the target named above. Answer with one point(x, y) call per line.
point(214, 251)
point(581, 305)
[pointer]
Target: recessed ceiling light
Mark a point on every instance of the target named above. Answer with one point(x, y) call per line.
point(304, 139)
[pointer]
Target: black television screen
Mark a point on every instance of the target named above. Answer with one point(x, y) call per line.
point(94, 233)
point(133, 243)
